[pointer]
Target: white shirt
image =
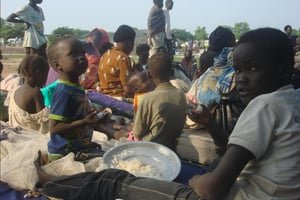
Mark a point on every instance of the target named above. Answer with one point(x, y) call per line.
point(269, 128)
point(168, 24)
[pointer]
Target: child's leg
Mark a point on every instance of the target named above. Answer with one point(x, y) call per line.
point(112, 184)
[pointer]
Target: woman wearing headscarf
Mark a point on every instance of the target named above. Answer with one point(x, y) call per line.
point(215, 88)
point(97, 42)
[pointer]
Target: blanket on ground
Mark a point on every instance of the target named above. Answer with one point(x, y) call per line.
point(19, 150)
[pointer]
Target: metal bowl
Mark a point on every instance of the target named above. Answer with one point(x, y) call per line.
point(159, 157)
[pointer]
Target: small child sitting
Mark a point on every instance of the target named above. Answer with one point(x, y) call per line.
point(138, 84)
point(72, 119)
point(189, 64)
point(25, 103)
point(160, 115)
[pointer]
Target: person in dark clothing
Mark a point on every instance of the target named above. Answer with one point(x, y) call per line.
point(289, 31)
point(156, 27)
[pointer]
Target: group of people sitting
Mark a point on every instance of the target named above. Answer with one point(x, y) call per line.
point(259, 136)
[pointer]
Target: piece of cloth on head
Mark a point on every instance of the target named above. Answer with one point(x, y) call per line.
point(124, 33)
point(97, 39)
point(95, 45)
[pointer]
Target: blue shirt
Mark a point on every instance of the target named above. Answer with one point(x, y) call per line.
point(69, 103)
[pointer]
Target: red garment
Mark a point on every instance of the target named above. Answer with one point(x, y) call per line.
point(90, 79)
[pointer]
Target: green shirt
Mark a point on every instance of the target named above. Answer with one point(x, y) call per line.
point(161, 115)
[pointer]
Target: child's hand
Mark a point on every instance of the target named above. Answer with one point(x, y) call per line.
point(93, 118)
point(108, 112)
point(199, 113)
point(198, 183)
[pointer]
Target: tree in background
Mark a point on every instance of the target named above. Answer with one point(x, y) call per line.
point(62, 31)
point(240, 28)
point(200, 33)
point(10, 30)
point(182, 35)
point(296, 32)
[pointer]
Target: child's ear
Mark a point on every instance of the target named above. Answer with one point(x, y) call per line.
point(56, 66)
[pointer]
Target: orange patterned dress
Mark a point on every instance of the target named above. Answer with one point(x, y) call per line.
point(113, 71)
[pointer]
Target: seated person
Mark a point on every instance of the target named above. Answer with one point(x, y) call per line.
point(216, 89)
point(25, 103)
point(97, 42)
point(179, 73)
point(160, 114)
point(262, 152)
point(221, 41)
point(189, 63)
point(206, 60)
point(207, 93)
point(142, 51)
point(72, 119)
point(138, 84)
point(113, 128)
point(115, 65)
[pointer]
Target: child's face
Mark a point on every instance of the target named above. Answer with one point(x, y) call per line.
point(255, 74)
point(72, 60)
point(147, 85)
point(140, 83)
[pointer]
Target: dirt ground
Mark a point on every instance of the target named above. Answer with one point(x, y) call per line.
point(12, 56)
point(10, 66)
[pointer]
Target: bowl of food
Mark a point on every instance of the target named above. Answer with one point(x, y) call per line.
point(144, 159)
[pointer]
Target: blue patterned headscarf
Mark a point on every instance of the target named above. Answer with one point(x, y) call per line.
point(217, 80)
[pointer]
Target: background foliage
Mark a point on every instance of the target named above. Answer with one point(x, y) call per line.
point(9, 30)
